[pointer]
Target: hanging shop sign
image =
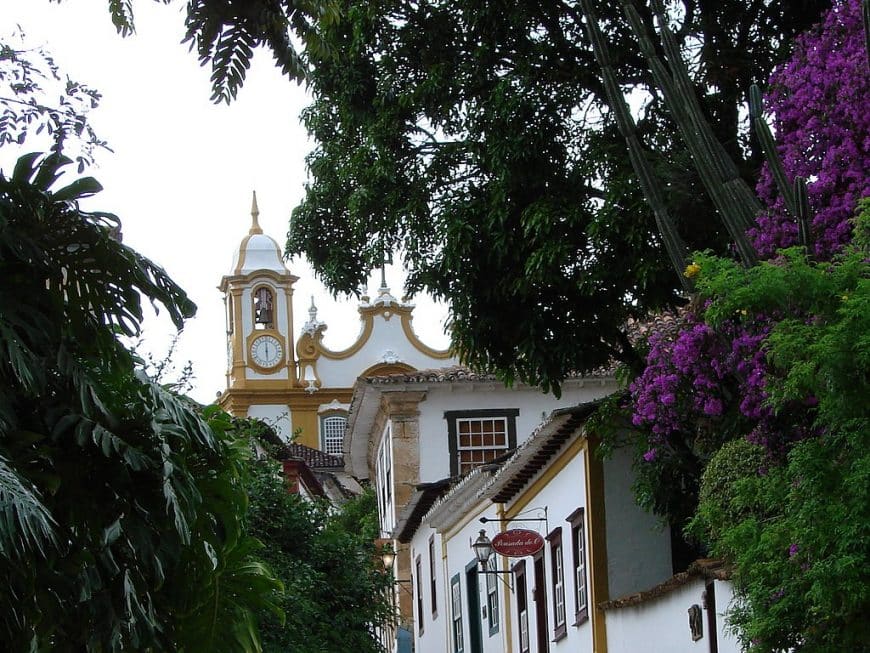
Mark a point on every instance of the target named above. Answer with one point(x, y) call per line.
point(518, 543)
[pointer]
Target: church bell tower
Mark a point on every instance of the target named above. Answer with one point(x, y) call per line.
point(258, 294)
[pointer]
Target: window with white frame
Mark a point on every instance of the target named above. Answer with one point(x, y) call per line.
point(418, 585)
point(384, 476)
point(492, 596)
point(578, 546)
point(332, 429)
point(476, 437)
point(433, 584)
point(557, 567)
point(456, 611)
point(522, 605)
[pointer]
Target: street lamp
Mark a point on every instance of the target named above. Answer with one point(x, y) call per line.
point(389, 558)
point(482, 549)
point(483, 552)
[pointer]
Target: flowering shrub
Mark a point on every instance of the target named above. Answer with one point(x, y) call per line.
point(778, 357)
point(695, 377)
point(705, 380)
point(819, 103)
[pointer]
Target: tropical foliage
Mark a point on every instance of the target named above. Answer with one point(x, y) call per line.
point(116, 494)
point(37, 99)
point(334, 589)
point(797, 524)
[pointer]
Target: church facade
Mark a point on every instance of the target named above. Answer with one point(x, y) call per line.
point(291, 379)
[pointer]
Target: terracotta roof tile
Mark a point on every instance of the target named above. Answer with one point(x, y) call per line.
point(314, 458)
point(457, 374)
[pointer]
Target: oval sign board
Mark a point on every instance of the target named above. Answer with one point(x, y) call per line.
point(518, 543)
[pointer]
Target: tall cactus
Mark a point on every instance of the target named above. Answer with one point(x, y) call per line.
point(794, 196)
point(802, 212)
point(732, 196)
point(674, 245)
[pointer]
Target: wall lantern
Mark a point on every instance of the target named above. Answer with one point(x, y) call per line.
point(389, 558)
point(482, 549)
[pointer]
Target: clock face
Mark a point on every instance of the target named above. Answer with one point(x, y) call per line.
point(266, 351)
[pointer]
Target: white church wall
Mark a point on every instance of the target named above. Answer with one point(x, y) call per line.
point(276, 416)
point(387, 343)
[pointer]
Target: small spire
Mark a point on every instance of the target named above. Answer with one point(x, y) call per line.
point(255, 213)
point(384, 286)
point(313, 325)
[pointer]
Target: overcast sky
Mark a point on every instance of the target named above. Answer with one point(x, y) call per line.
point(183, 169)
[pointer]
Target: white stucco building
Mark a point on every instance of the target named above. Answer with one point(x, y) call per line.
point(427, 427)
point(602, 581)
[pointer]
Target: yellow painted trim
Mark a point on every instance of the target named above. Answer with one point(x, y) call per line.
point(243, 251)
point(307, 421)
point(597, 554)
point(508, 636)
point(368, 327)
point(382, 369)
point(238, 329)
point(419, 345)
point(245, 280)
point(548, 474)
point(446, 610)
point(291, 354)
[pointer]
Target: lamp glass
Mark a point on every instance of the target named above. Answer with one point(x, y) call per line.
point(389, 557)
point(482, 548)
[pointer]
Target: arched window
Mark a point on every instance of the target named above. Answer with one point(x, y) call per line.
point(332, 433)
point(263, 308)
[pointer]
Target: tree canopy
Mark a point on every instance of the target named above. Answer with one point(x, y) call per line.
point(476, 139)
point(335, 587)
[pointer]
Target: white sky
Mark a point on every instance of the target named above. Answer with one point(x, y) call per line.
point(183, 169)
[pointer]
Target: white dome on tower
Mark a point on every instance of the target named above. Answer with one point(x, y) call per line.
point(257, 251)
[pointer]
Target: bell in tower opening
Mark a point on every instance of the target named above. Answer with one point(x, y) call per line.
point(263, 308)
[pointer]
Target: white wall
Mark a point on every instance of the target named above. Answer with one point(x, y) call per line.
point(386, 344)
point(728, 642)
point(458, 555)
point(435, 637)
point(638, 547)
point(562, 495)
point(534, 407)
point(662, 625)
point(276, 416)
